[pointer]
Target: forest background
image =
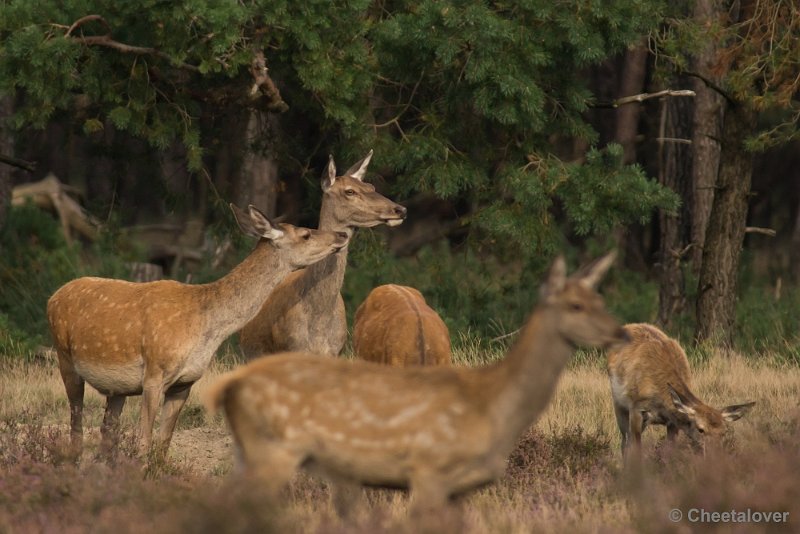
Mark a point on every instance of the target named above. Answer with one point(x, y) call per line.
point(504, 127)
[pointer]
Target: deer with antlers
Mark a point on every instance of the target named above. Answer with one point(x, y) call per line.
point(306, 312)
point(440, 431)
point(651, 385)
point(156, 339)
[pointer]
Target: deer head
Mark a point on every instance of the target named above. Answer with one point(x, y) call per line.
point(703, 424)
point(352, 203)
point(582, 318)
point(299, 247)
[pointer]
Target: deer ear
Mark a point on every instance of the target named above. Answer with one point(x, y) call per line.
point(679, 402)
point(263, 225)
point(736, 411)
point(329, 176)
point(556, 279)
point(595, 271)
point(255, 223)
point(358, 170)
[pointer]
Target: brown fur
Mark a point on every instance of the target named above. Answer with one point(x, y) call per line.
point(439, 431)
point(157, 338)
point(651, 385)
point(306, 312)
point(394, 325)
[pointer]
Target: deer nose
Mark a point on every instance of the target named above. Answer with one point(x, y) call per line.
point(401, 211)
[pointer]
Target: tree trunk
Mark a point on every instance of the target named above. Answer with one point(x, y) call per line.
point(258, 177)
point(632, 83)
point(716, 301)
point(708, 117)
point(675, 172)
point(7, 148)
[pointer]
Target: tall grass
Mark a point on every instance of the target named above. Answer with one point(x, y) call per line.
point(565, 475)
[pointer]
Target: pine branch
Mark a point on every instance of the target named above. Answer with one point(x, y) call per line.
point(641, 98)
point(108, 42)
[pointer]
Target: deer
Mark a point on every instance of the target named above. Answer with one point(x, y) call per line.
point(395, 326)
point(306, 312)
point(651, 385)
point(439, 431)
point(156, 339)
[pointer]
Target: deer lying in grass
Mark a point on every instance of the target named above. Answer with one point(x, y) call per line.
point(394, 325)
point(650, 385)
point(439, 431)
point(306, 311)
point(156, 339)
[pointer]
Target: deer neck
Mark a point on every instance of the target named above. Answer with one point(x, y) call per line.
point(523, 382)
point(236, 298)
point(324, 279)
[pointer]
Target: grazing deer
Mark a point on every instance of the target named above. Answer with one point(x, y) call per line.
point(306, 311)
point(394, 325)
point(650, 385)
point(156, 339)
point(439, 431)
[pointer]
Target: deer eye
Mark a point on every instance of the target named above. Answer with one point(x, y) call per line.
point(576, 307)
point(306, 236)
point(349, 192)
point(701, 430)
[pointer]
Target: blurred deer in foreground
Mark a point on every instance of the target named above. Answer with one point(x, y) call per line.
point(306, 312)
point(650, 385)
point(394, 325)
point(156, 339)
point(440, 431)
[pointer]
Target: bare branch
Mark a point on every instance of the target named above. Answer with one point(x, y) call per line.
point(757, 230)
point(86, 19)
point(107, 41)
point(19, 163)
point(642, 97)
point(712, 86)
point(262, 83)
point(674, 140)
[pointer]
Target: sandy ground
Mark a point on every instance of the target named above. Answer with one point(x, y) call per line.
point(206, 451)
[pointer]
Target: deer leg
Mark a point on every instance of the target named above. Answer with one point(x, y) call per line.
point(74, 386)
point(271, 464)
point(635, 427)
point(152, 395)
point(173, 404)
point(109, 432)
point(429, 502)
point(344, 495)
point(621, 414)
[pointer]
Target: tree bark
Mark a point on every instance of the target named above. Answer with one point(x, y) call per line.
point(708, 117)
point(6, 147)
point(675, 172)
point(632, 83)
point(258, 176)
point(716, 301)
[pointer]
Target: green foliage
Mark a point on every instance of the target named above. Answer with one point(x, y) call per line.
point(755, 63)
point(35, 262)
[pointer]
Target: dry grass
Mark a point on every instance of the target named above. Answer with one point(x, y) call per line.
point(565, 476)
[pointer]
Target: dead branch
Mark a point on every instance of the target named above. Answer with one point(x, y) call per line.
point(641, 98)
point(19, 163)
point(263, 84)
point(50, 194)
point(676, 140)
point(108, 42)
point(757, 230)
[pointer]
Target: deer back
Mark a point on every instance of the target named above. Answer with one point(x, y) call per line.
point(394, 325)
